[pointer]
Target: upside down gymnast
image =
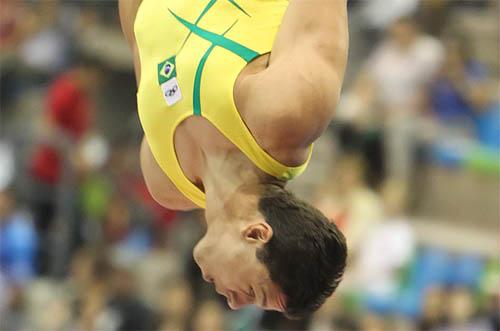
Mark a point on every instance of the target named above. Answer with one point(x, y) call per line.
point(231, 96)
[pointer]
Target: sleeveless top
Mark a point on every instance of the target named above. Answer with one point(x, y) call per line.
point(191, 52)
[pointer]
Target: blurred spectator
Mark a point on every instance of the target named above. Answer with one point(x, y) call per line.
point(393, 80)
point(117, 220)
point(47, 306)
point(493, 308)
point(7, 171)
point(106, 294)
point(389, 246)
point(433, 309)
point(487, 117)
point(401, 324)
point(371, 322)
point(209, 317)
point(18, 241)
point(402, 64)
point(44, 49)
point(349, 202)
point(128, 239)
point(126, 311)
point(96, 33)
point(433, 15)
point(175, 306)
point(66, 120)
point(11, 32)
point(12, 312)
point(380, 14)
point(490, 285)
point(90, 275)
point(10, 22)
point(451, 92)
point(160, 266)
point(402, 68)
point(81, 274)
point(460, 313)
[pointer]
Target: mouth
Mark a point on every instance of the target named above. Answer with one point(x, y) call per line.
point(230, 300)
point(228, 295)
point(231, 297)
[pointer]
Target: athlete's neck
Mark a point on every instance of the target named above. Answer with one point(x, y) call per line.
point(233, 186)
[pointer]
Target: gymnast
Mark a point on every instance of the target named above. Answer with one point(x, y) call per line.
point(231, 96)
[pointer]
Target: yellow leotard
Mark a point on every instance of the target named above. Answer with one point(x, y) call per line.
point(191, 52)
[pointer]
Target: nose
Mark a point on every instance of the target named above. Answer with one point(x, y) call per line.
point(196, 256)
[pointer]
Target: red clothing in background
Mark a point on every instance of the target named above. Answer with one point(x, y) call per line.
point(68, 107)
point(68, 111)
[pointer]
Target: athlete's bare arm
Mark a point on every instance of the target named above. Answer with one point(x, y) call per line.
point(127, 10)
point(301, 87)
point(159, 185)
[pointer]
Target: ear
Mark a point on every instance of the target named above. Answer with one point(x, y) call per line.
point(260, 232)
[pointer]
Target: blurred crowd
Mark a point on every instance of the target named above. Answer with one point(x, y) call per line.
point(409, 170)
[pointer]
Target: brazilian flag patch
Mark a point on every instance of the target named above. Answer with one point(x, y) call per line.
point(167, 70)
point(167, 79)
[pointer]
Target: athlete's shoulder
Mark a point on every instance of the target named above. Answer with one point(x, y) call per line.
point(291, 103)
point(299, 91)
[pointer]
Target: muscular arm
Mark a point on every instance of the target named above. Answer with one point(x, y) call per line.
point(127, 10)
point(302, 85)
point(316, 27)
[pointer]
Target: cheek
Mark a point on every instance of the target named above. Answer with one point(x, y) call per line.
point(243, 264)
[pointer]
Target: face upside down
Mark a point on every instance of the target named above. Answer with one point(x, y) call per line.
point(290, 261)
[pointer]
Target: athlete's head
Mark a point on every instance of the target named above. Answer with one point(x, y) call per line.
point(285, 257)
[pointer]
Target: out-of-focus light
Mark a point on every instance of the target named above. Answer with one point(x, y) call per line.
point(95, 151)
point(7, 167)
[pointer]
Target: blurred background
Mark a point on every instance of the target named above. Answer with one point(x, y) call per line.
point(409, 170)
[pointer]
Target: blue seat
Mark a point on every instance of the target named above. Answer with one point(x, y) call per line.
point(467, 271)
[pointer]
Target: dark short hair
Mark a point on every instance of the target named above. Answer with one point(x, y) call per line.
point(307, 254)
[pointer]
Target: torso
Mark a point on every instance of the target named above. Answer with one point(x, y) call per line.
point(195, 137)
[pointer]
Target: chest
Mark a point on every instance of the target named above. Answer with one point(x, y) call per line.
point(195, 136)
point(194, 139)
